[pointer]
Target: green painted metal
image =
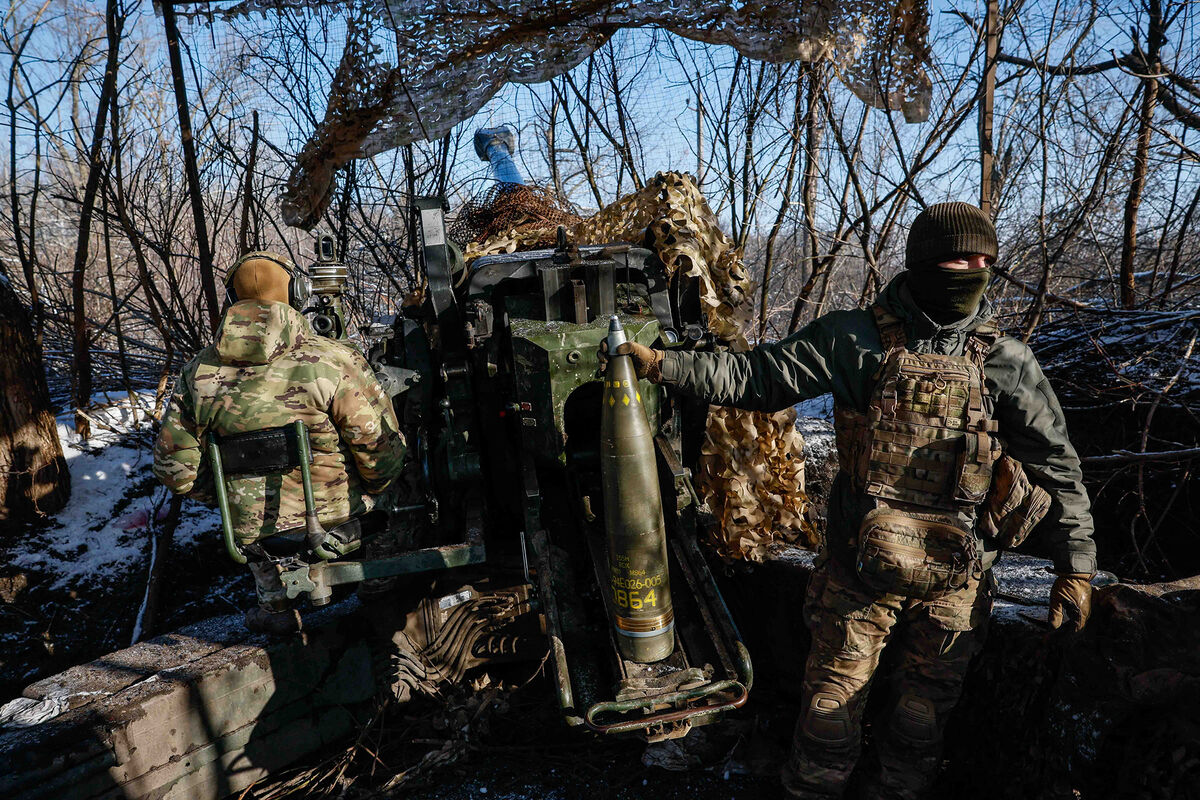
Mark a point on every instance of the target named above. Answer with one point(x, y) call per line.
point(430, 558)
point(298, 581)
point(218, 470)
point(549, 599)
point(314, 532)
point(330, 319)
point(638, 587)
point(553, 359)
point(315, 579)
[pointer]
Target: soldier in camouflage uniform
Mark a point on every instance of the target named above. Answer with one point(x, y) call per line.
point(267, 369)
point(937, 306)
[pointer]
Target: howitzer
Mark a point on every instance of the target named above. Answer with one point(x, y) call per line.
point(496, 379)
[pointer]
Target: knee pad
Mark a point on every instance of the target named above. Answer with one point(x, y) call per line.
point(826, 720)
point(914, 721)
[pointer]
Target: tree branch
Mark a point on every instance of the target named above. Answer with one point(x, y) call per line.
point(1130, 457)
point(1128, 60)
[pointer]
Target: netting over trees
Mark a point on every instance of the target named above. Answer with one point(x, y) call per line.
point(452, 56)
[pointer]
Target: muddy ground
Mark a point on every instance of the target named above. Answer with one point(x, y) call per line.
point(517, 747)
point(527, 751)
point(514, 745)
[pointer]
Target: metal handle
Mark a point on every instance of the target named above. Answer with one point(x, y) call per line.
point(688, 696)
point(314, 533)
point(218, 470)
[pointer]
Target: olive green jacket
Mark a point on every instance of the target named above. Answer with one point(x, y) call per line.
point(840, 352)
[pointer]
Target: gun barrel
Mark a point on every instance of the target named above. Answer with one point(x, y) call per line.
point(640, 591)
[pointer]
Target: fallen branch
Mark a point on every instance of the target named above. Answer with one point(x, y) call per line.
point(1032, 291)
point(1191, 584)
point(1130, 457)
point(79, 412)
point(161, 534)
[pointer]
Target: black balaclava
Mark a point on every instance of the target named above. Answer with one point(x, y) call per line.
point(940, 233)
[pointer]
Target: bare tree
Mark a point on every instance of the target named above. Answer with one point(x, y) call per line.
point(34, 479)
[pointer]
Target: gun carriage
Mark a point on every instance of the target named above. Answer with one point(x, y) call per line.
point(530, 463)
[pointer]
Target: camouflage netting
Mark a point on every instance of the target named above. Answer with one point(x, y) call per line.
point(751, 474)
point(511, 212)
point(683, 229)
point(751, 470)
point(453, 55)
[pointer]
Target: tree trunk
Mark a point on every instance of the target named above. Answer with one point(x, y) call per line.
point(248, 241)
point(34, 480)
point(1141, 156)
point(987, 104)
point(1134, 200)
point(785, 204)
point(208, 283)
point(82, 363)
point(808, 191)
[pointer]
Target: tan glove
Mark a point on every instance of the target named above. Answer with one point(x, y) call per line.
point(647, 363)
point(1070, 599)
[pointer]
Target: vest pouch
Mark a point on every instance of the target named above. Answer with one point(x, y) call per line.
point(1014, 505)
point(914, 555)
point(977, 453)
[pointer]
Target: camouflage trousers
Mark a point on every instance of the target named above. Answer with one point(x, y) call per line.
point(850, 627)
point(272, 596)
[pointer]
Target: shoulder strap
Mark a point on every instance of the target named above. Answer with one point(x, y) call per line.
point(891, 329)
point(980, 342)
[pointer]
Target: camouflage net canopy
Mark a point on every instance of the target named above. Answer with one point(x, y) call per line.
point(751, 471)
point(453, 55)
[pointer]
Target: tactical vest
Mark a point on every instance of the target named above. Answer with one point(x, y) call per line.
point(925, 451)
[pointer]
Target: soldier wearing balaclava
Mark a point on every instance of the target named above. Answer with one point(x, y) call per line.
point(942, 423)
point(945, 274)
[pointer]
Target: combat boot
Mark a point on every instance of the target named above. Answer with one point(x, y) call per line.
point(272, 597)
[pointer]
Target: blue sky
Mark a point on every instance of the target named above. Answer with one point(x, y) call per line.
point(663, 103)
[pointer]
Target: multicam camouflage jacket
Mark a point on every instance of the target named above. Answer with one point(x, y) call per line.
point(841, 352)
point(267, 369)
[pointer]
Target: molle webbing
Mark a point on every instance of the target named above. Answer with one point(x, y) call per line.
point(926, 438)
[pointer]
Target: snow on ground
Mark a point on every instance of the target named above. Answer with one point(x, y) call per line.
point(1024, 588)
point(814, 420)
point(107, 527)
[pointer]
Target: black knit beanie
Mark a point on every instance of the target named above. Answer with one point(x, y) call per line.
point(947, 230)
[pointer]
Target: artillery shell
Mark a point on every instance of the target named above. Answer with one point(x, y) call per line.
point(640, 591)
